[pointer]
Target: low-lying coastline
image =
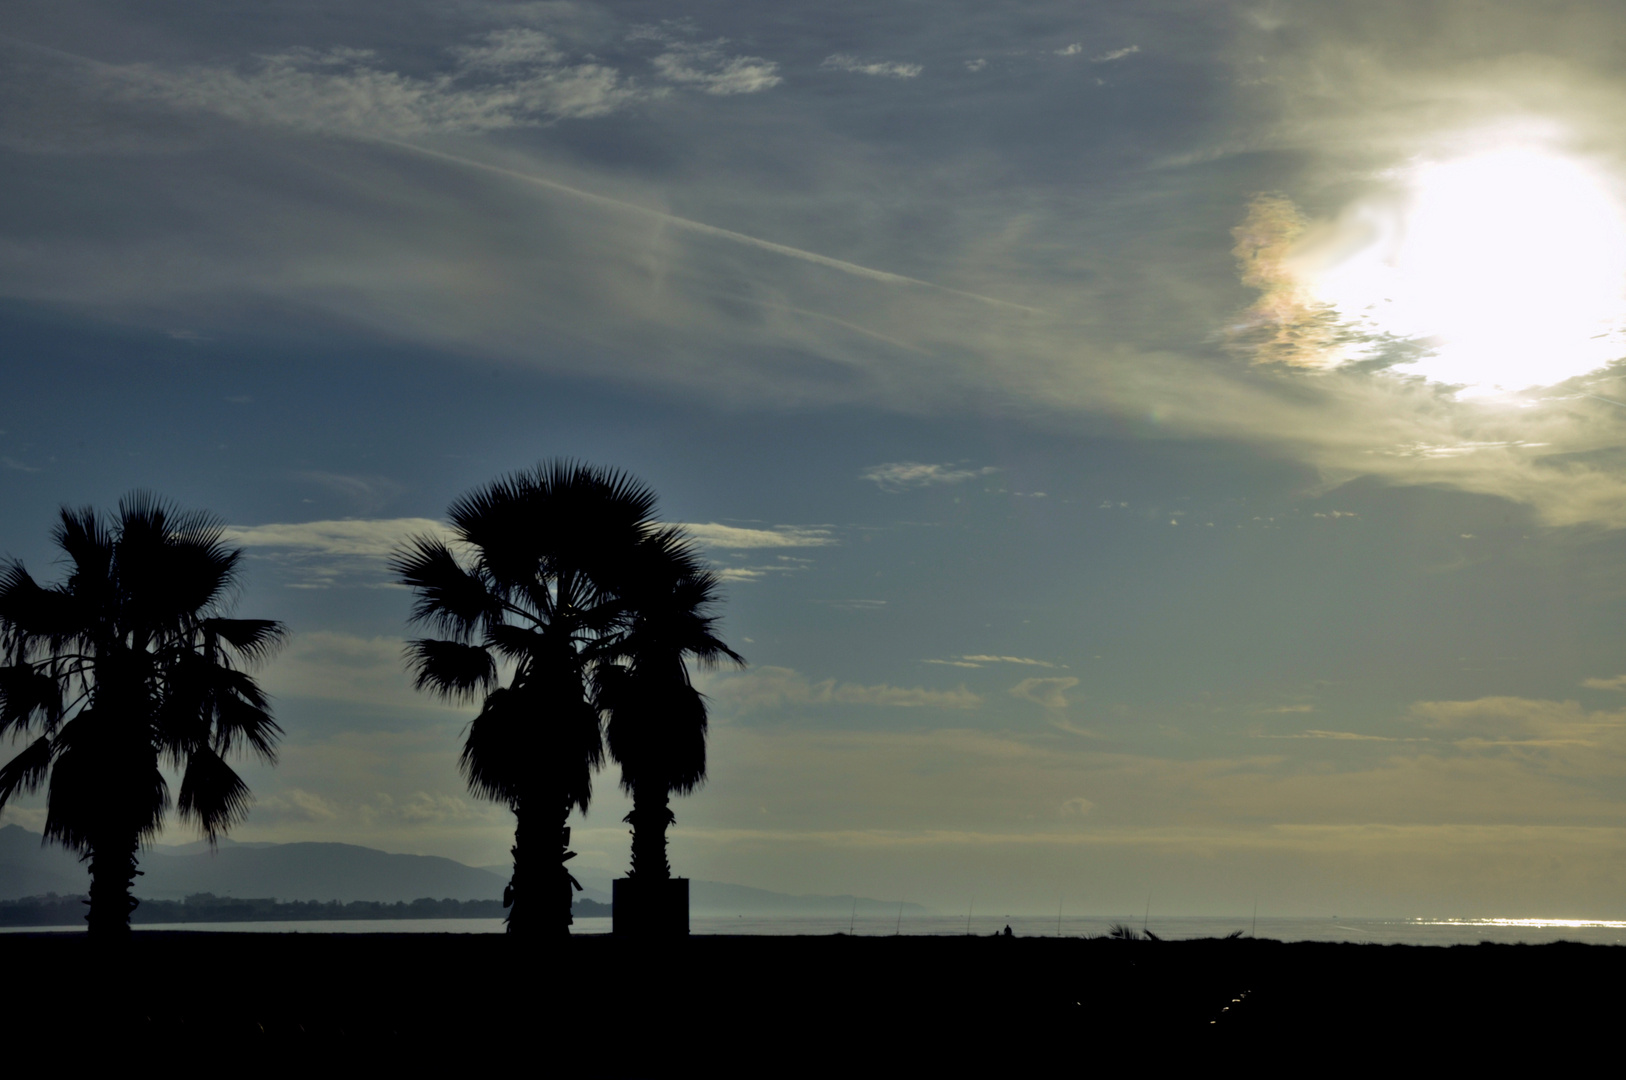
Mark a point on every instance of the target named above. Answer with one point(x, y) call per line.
point(54, 910)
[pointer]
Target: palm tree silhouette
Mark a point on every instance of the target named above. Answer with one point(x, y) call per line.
point(127, 666)
point(539, 594)
point(656, 718)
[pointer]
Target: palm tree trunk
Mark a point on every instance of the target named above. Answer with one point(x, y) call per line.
point(650, 817)
point(567, 884)
point(112, 878)
point(563, 890)
point(511, 894)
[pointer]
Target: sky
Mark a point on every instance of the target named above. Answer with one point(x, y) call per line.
point(1166, 454)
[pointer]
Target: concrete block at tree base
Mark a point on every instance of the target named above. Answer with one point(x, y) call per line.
point(650, 908)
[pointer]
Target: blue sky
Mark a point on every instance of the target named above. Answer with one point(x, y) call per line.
point(1083, 534)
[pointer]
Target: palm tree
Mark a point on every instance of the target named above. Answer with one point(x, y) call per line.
point(537, 593)
point(126, 667)
point(656, 718)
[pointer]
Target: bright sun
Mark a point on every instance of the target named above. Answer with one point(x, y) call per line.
point(1510, 262)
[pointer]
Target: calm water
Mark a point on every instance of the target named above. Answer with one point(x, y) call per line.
point(1416, 931)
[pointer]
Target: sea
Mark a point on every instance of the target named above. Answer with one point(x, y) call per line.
point(1393, 931)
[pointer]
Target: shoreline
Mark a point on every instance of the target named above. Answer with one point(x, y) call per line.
point(1410, 930)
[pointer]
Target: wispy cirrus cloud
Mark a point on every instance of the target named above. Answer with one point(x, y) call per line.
point(1522, 722)
point(327, 554)
point(1344, 736)
point(781, 564)
point(736, 537)
point(1050, 693)
point(322, 553)
point(898, 475)
point(979, 660)
point(376, 538)
point(1077, 49)
point(706, 67)
point(777, 687)
point(297, 804)
point(509, 78)
point(889, 69)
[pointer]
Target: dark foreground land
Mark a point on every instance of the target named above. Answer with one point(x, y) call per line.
point(600, 1006)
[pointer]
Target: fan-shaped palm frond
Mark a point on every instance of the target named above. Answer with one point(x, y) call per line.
point(27, 771)
point(450, 669)
point(450, 599)
point(212, 794)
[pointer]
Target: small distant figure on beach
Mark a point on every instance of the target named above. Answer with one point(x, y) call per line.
point(1007, 932)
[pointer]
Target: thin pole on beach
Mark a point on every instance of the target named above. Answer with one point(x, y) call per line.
point(853, 922)
point(1059, 900)
point(1255, 931)
point(968, 912)
point(899, 931)
point(1148, 913)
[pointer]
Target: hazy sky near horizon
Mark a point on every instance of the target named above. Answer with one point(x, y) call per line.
point(1165, 449)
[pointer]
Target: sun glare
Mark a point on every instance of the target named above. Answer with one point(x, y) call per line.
point(1508, 263)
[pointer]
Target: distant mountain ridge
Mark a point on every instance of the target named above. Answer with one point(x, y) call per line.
point(287, 872)
point(28, 869)
point(348, 873)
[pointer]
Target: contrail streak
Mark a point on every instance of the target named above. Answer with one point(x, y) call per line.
point(702, 228)
point(603, 200)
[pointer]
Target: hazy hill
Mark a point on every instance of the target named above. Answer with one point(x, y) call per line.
point(342, 872)
point(310, 871)
point(27, 869)
point(346, 872)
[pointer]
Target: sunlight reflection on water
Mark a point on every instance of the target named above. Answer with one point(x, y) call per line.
point(1407, 931)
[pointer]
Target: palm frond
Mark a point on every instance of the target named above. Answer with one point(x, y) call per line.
point(102, 783)
point(208, 705)
point(88, 542)
point(522, 642)
point(254, 640)
point(27, 771)
point(225, 681)
point(450, 669)
point(182, 718)
point(450, 599)
point(27, 693)
point(495, 751)
point(34, 617)
point(212, 795)
point(203, 566)
point(656, 731)
point(171, 566)
point(237, 720)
